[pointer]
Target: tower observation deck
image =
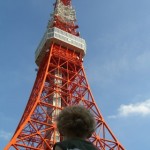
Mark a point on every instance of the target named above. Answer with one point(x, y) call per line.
point(61, 30)
point(61, 81)
point(60, 37)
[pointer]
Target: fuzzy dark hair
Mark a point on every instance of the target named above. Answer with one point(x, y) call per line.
point(76, 121)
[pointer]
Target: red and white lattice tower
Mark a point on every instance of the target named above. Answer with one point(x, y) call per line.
point(60, 82)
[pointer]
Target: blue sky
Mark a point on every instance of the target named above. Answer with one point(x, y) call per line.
point(117, 63)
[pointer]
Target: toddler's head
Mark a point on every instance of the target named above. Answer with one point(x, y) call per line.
point(76, 121)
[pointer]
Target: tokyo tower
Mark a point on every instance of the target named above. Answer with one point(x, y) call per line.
point(60, 82)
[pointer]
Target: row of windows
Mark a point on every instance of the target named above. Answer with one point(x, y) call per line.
point(41, 45)
point(51, 30)
point(66, 37)
point(71, 41)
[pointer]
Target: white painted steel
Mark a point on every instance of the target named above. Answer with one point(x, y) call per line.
point(61, 37)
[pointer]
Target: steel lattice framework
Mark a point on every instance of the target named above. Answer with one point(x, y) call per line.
point(60, 82)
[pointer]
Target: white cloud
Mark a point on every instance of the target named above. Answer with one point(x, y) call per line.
point(136, 109)
point(5, 135)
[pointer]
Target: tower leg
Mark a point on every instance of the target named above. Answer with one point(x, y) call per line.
point(60, 82)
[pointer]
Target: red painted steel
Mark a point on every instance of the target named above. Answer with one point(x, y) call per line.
point(60, 82)
point(69, 27)
point(66, 2)
point(36, 129)
point(66, 25)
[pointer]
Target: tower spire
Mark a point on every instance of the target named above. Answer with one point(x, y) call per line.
point(60, 82)
point(64, 17)
point(66, 2)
